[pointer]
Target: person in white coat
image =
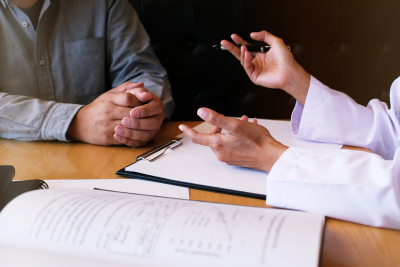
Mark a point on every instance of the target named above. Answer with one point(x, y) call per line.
point(351, 185)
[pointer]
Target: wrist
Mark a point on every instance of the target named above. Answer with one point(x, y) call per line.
point(298, 83)
point(73, 128)
point(274, 151)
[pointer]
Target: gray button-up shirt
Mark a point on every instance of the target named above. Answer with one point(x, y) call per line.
point(81, 49)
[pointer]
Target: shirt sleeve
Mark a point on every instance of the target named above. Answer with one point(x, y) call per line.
point(332, 116)
point(31, 119)
point(129, 55)
point(350, 185)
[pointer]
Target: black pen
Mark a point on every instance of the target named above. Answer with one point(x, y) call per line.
point(251, 48)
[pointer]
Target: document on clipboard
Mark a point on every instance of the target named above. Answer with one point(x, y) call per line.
point(183, 163)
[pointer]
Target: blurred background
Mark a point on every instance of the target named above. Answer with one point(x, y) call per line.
point(350, 45)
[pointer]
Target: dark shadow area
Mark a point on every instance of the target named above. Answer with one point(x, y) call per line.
point(350, 45)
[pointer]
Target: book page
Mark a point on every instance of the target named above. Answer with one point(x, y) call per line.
point(94, 228)
point(124, 186)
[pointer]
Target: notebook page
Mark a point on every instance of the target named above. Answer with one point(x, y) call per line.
point(152, 231)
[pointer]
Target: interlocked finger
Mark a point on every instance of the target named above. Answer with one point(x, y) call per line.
point(138, 135)
point(129, 142)
point(149, 123)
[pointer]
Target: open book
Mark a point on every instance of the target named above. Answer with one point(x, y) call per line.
point(79, 227)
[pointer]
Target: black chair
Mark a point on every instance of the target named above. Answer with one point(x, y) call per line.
point(350, 45)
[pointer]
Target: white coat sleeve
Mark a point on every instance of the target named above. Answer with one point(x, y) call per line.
point(345, 184)
point(332, 116)
point(350, 185)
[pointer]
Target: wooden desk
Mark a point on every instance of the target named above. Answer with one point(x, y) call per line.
point(345, 243)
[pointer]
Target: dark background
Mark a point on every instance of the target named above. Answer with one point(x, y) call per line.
point(350, 45)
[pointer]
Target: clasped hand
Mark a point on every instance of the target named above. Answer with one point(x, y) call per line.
point(127, 114)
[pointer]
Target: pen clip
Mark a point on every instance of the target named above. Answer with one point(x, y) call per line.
point(157, 152)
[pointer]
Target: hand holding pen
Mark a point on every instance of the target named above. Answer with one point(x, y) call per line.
point(251, 48)
point(275, 69)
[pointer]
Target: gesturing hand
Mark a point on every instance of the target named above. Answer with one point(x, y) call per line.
point(275, 69)
point(246, 144)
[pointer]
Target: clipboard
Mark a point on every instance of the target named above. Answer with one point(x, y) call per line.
point(154, 154)
point(227, 179)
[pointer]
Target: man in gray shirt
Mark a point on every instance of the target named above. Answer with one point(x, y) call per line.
point(57, 66)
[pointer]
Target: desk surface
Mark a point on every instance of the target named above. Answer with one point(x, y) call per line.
point(345, 243)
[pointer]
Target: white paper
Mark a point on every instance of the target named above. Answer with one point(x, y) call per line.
point(192, 163)
point(79, 224)
point(125, 186)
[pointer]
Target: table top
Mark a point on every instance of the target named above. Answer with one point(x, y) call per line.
point(345, 243)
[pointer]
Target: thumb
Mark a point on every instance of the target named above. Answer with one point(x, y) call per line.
point(130, 85)
point(265, 37)
point(144, 96)
point(126, 86)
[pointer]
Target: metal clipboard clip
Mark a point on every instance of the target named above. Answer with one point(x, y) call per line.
point(157, 152)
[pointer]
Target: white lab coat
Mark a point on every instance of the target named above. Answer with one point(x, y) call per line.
point(351, 185)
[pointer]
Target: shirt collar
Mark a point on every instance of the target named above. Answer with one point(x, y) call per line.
point(6, 3)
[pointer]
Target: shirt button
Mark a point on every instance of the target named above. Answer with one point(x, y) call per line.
point(41, 62)
point(25, 24)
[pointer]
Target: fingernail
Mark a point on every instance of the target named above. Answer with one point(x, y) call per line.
point(134, 113)
point(117, 137)
point(118, 131)
point(181, 127)
point(202, 113)
point(125, 122)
